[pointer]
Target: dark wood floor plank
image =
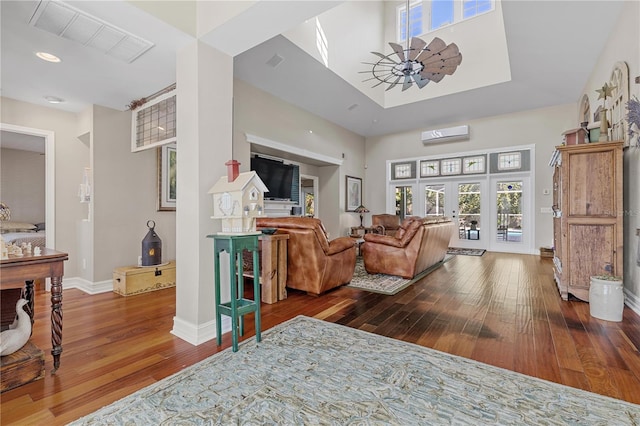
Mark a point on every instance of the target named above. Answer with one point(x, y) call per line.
point(502, 309)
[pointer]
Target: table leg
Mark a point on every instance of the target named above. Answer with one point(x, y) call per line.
point(269, 272)
point(233, 284)
point(216, 273)
point(56, 321)
point(256, 293)
point(282, 269)
point(27, 294)
point(240, 283)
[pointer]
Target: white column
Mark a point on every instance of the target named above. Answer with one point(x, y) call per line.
point(204, 80)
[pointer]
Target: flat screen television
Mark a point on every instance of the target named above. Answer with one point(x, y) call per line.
point(276, 175)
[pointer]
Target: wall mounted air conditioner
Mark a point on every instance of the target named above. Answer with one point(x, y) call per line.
point(445, 135)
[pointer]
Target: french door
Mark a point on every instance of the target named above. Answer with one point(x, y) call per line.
point(511, 214)
point(491, 213)
point(462, 200)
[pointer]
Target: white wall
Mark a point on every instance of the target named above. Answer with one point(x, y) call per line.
point(261, 114)
point(624, 45)
point(22, 184)
point(542, 128)
point(71, 156)
point(125, 196)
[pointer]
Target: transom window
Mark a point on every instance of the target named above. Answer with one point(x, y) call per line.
point(415, 21)
point(509, 161)
point(429, 15)
point(471, 8)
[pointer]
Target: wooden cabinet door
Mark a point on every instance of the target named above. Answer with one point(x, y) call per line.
point(591, 189)
point(590, 250)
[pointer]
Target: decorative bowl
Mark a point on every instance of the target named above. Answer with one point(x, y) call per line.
point(269, 231)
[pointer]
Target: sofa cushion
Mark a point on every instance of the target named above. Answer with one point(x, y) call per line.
point(420, 244)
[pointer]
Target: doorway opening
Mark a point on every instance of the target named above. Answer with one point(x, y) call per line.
point(309, 195)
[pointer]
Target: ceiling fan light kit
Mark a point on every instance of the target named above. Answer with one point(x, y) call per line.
point(419, 62)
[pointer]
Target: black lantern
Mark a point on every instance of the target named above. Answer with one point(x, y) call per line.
point(151, 246)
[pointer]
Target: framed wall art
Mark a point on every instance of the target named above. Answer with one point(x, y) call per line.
point(167, 177)
point(353, 190)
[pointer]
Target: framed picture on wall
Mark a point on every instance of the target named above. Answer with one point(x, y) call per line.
point(353, 191)
point(167, 163)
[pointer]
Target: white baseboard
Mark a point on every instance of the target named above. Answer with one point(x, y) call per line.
point(197, 334)
point(87, 286)
point(632, 301)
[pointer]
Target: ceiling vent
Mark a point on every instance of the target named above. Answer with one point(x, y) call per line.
point(275, 60)
point(68, 22)
point(445, 135)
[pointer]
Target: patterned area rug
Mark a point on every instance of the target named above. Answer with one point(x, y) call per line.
point(466, 251)
point(307, 371)
point(381, 283)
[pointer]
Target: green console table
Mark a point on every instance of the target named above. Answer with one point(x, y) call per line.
point(238, 306)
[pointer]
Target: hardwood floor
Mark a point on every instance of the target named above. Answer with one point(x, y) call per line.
point(501, 309)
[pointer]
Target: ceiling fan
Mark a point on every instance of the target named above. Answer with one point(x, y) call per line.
point(418, 62)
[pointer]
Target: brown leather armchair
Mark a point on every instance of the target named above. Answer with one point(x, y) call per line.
point(384, 223)
point(417, 245)
point(314, 264)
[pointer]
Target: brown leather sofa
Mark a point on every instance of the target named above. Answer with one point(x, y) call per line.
point(386, 224)
point(418, 244)
point(314, 264)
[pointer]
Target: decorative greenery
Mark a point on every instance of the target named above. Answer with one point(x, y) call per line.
point(607, 278)
point(633, 118)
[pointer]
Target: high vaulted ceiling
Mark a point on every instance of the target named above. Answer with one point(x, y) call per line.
point(552, 47)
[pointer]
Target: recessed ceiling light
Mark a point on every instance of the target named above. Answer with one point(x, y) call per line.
point(310, 131)
point(54, 100)
point(48, 57)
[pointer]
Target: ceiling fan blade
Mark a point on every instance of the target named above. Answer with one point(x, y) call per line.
point(392, 85)
point(407, 82)
point(421, 82)
point(450, 52)
point(398, 49)
point(434, 47)
point(438, 70)
point(451, 63)
point(416, 47)
point(435, 77)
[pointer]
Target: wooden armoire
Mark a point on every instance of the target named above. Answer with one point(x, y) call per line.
point(588, 215)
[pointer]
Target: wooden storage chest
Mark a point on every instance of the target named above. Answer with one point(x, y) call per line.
point(21, 367)
point(130, 280)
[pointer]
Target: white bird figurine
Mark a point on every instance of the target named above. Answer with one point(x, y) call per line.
point(18, 334)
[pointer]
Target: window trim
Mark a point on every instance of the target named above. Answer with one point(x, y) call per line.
point(135, 147)
point(458, 12)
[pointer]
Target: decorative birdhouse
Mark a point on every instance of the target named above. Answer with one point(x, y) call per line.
point(238, 199)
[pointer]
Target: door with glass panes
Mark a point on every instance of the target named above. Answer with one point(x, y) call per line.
point(461, 200)
point(511, 214)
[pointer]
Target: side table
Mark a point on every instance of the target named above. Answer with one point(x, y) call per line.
point(29, 268)
point(358, 241)
point(274, 267)
point(238, 306)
